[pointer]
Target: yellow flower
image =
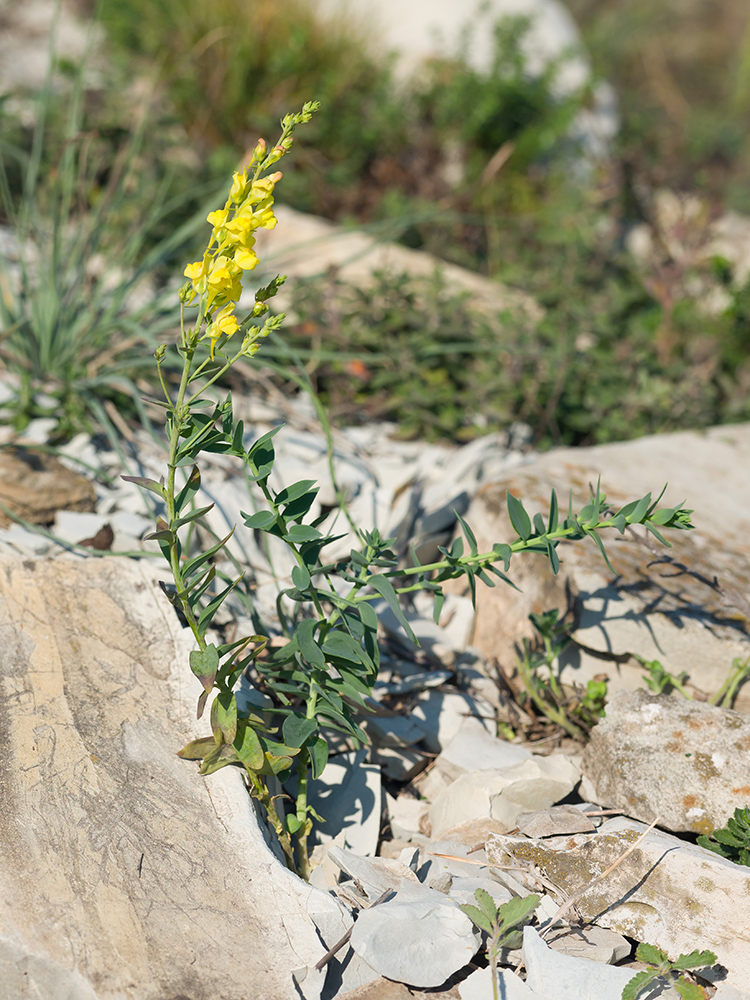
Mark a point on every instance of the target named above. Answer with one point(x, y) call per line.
point(218, 218)
point(224, 281)
point(239, 183)
point(245, 257)
point(224, 323)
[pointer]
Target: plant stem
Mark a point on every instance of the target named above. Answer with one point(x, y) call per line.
point(303, 777)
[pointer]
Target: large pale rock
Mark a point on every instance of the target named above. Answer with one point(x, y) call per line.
point(684, 761)
point(670, 893)
point(660, 603)
point(123, 874)
point(35, 486)
point(305, 246)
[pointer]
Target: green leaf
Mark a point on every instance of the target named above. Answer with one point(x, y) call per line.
point(293, 823)
point(220, 757)
point(297, 729)
point(204, 663)
point(262, 520)
point(517, 910)
point(318, 757)
point(342, 645)
point(438, 606)
point(503, 552)
point(294, 492)
point(247, 746)
point(554, 561)
point(539, 526)
point(385, 588)
point(197, 749)
point(302, 533)
point(477, 917)
point(600, 545)
point(650, 954)
point(164, 535)
point(518, 517)
point(553, 513)
point(147, 484)
point(486, 903)
point(635, 512)
point(639, 981)
point(301, 577)
point(197, 561)
point(695, 960)
point(193, 516)
point(468, 533)
point(192, 485)
point(226, 715)
point(689, 990)
point(307, 645)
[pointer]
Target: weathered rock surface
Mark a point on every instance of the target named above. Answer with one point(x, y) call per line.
point(670, 893)
point(566, 977)
point(662, 603)
point(123, 874)
point(685, 761)
point(502, 794)
point(35, 486)
point(305, 246)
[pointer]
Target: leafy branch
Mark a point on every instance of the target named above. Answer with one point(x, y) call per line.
point(660, 967)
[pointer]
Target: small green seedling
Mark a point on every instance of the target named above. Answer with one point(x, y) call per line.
point(503, 923)
point(733, 840)
point(739, 673)
point(576, 714)
point(660, 967)
point(660, 680)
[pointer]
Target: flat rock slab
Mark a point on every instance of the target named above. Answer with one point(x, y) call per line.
point(685, 761)
point(305, 246)
point(660, 603)
point(123, 874)
point(667, 892)
point(35, 486)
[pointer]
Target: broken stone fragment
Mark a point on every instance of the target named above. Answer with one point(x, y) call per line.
point(503, 794)
point(552, 822)
point(565, 977)
point(416, 941)
point(670, 893)
point(34, 486)
point(686, 762)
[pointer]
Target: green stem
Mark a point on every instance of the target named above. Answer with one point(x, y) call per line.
point(178, 417)
point(260, 792)
point(303, 778)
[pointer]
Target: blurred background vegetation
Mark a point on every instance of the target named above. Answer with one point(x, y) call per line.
point(480, 170)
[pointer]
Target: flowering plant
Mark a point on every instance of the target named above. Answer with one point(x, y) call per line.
point(320, 674)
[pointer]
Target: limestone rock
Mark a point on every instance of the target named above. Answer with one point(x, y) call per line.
point(685, 761)
point(304, 246)
point(566, 977)
point(124, 875)
point(35, 486)
point(662, 602)
point(416, 941)
point(503, 794)
point(670, 893)
point(553, 822)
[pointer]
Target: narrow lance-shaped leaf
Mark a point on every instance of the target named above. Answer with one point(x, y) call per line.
point(147, 484)
point(385, 588)
point(518, 516)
